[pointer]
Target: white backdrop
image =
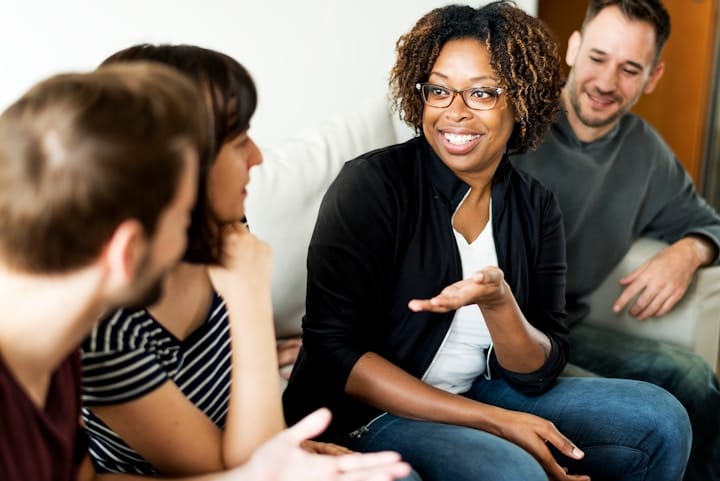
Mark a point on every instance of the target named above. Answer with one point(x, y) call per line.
point(311, 59)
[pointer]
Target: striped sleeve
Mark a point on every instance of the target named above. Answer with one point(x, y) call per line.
point(120, 362)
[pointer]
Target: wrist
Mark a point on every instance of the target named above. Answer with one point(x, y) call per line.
point(502, 302)
point(703, 252)
point(491, 419)
point(243, 301)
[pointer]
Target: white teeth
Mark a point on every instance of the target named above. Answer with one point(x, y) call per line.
point(459, 139)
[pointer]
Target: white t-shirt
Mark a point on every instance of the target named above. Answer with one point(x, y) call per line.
point(461, 357)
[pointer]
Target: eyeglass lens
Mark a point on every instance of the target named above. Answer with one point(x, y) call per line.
point(478, 98)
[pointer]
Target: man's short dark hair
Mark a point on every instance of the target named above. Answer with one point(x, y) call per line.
point(80, 153)
point(651, 11)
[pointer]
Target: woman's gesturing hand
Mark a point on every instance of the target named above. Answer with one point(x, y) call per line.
point(485, 287)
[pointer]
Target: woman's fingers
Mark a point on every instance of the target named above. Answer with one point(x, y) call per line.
point(486, 284)
point(556, 472)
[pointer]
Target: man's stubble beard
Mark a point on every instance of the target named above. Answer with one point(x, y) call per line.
point(592, 123)
point(149, 294)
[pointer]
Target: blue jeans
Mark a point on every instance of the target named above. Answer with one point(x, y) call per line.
point(629, 430)
point(682, 373)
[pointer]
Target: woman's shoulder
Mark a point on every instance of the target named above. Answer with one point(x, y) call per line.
point(121, 330)
point(526, 183)
point(526, 193)
point(390, 158)
point(380, 171)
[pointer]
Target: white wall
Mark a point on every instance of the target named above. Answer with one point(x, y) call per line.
point(310, 58)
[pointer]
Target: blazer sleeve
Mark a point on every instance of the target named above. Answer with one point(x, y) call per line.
point(349, 251)
point(542, 298)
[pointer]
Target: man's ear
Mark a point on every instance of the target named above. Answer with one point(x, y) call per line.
point(124, 251)
point(655, 74)
point(573, 48)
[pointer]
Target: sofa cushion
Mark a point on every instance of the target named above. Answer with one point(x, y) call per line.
point(285, 193)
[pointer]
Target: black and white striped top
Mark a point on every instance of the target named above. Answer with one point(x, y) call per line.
point(129, 354)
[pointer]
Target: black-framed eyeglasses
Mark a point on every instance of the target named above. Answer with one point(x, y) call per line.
point(476, 98)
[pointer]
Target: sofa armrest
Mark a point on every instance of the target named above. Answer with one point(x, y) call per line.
point(694, 323)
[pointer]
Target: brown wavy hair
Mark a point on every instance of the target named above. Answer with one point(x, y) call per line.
point(523, 53)
point(231, 99)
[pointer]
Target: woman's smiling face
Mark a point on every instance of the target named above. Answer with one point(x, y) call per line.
point(467, 140)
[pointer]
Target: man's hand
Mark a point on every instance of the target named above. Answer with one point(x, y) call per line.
point(282, 458)
point(662, 281)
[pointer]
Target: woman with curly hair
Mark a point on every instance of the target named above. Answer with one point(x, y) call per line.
point(436, 280)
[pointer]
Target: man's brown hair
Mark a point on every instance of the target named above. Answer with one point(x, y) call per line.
point(650, 11)
point(82, 152)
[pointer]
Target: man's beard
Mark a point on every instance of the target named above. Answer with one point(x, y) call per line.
point(149, 294)
point(594, 123)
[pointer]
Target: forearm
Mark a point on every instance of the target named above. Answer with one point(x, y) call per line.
point(87, 473)
point(255, 410)
point(519, 346)
point(207, 477)
point(240, 474)
point(385, 386)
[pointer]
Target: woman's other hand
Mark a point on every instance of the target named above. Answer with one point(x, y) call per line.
point(535, 434)
point(246, 263)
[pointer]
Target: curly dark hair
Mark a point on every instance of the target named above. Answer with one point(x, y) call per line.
point(523, 52)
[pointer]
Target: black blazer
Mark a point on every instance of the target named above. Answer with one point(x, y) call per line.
point(384, 236)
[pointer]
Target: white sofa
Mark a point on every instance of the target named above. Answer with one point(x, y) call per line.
point(286, 190)
point(694, 323)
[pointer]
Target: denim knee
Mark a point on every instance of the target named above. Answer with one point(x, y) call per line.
point(668, 420)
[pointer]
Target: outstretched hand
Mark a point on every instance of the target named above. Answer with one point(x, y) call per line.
point(282, 458)
point(485, 287)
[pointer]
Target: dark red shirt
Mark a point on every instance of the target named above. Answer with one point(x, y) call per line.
point(41, 444)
